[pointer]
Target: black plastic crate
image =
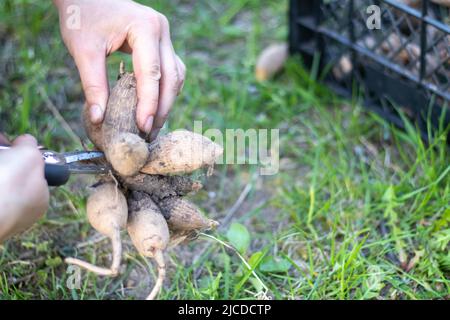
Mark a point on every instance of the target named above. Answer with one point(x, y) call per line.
point(404, 65)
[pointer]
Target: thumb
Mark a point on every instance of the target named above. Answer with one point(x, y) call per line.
point(3, 140)
point(25, 140)
point(92, 69)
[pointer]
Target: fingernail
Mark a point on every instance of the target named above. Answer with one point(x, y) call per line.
point(96, 113)
point(148, 125)
point(31, 140)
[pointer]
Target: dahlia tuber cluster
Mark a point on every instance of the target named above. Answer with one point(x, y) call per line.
point(145, 192)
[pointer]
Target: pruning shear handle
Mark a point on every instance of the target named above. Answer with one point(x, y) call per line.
point(56, 175)
point(60, 166)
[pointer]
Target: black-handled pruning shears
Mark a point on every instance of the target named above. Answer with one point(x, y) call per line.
point(59, 166)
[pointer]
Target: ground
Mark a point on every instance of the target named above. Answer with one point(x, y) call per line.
point(359, 209)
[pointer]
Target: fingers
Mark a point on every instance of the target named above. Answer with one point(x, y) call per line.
point(159, 72)
point(4, 140)
point(91, 65)
point(25, 141)
point(30, 153)
point(182, 72)
point(144, 40)
point(163, 109)
point(171, 80)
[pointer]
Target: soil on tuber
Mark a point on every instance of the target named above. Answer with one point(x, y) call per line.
point(124, 148)
point(182, 215)
point(118, 136)
point(162, 186)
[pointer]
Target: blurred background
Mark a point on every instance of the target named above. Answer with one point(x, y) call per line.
point(358, 210)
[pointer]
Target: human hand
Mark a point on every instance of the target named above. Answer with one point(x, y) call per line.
point(106, 26)
point(23, 188)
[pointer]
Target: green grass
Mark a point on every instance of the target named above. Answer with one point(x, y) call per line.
point(359, 209)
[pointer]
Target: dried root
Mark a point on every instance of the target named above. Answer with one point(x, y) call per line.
point(178, 237)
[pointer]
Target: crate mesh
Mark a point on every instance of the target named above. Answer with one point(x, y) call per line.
point(405, 65)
